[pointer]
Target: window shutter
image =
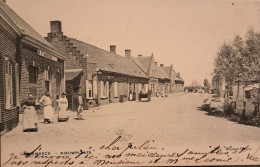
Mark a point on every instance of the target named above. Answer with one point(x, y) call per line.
point(115, 89)
point(17, 84)
point(101, 89)
point(87, 89)
point(95, 89)
point(146, 88)
point(107, 87)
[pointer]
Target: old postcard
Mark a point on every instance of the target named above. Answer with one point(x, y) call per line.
point(129, 83)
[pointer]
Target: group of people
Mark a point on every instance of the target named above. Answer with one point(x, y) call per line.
point(30, 114)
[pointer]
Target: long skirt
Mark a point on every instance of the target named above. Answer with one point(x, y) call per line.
point(48, 112)
point(30, 118)
point(131, 97)
point(63, 112)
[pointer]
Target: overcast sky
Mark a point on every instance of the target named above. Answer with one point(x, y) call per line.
point(186, 34)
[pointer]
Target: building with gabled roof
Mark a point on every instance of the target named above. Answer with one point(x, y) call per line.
point(103, 76)
point(177, 83)
point(158, 79)
point(28, 63)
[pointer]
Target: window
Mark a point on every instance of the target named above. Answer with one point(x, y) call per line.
point(89, 89)
point(8, 84)
point(47, 76)
point(115, 89)
point(33, 81)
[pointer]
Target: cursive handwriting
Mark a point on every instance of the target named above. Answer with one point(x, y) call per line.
point(144, 153)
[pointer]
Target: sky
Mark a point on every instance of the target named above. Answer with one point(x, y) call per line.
point(186, 34)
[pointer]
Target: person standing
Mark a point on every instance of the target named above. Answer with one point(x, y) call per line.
point(63, 106)
point(30, 117)
point(130, 95)
point(79, 104)
point(47, 110)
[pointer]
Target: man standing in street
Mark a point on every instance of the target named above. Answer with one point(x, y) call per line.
point(80, 104)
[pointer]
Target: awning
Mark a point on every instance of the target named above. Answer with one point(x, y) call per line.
point(72, 74)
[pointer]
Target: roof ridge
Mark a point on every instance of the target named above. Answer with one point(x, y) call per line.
point(96, 47)
point(23, 29)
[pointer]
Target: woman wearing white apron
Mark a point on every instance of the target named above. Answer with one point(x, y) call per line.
point(63, 106)
point(30, 117)
point(47, 110)
point(130, 95)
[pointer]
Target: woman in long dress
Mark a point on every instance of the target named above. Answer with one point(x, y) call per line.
point(30, 117)
point(47, 110)
point(63, 106)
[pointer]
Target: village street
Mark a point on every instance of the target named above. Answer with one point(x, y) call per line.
point(169, 122)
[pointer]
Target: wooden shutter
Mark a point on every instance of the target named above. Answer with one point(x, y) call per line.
point(107, 89)
point(87, 89)
point(146, 88)
point(115, 89)
point(2, 81)
point(95, 89)
point(17, 85)
point(101, 89)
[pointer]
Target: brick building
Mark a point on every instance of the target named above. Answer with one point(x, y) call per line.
point(9, 92)
point(29, 64)
point(177, 83)
point(101, 75)
point(75, 63)
point(158, 79)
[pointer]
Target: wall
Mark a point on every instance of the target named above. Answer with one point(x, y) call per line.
point(9, 117)
point(122, 83)
point(29, 55)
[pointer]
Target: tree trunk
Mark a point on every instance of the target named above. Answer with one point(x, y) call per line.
point(258, 100)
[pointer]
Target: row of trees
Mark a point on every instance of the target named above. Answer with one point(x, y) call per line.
point(239, 60)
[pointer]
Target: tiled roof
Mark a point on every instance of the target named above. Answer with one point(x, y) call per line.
point(108, 61)
point(179, 79)
point(24, 27)
point(72, 74)
point(145, 62)
point(71, 61)
point(167, 70)
point(162, 74)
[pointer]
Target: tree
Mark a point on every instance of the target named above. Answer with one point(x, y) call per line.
point(229, 63)
point(207, 84)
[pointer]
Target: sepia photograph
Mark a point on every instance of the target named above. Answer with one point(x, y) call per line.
point(129, 83)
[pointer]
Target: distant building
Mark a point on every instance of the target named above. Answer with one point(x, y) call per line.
point(158, 79)
point(195, 86)
point(177, 83)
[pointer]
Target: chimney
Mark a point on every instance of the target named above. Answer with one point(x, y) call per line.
point(56, 27)
point(139, 55)
point(156, 63)
point(113, 49)
point(161, 65)
point(128, 53)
